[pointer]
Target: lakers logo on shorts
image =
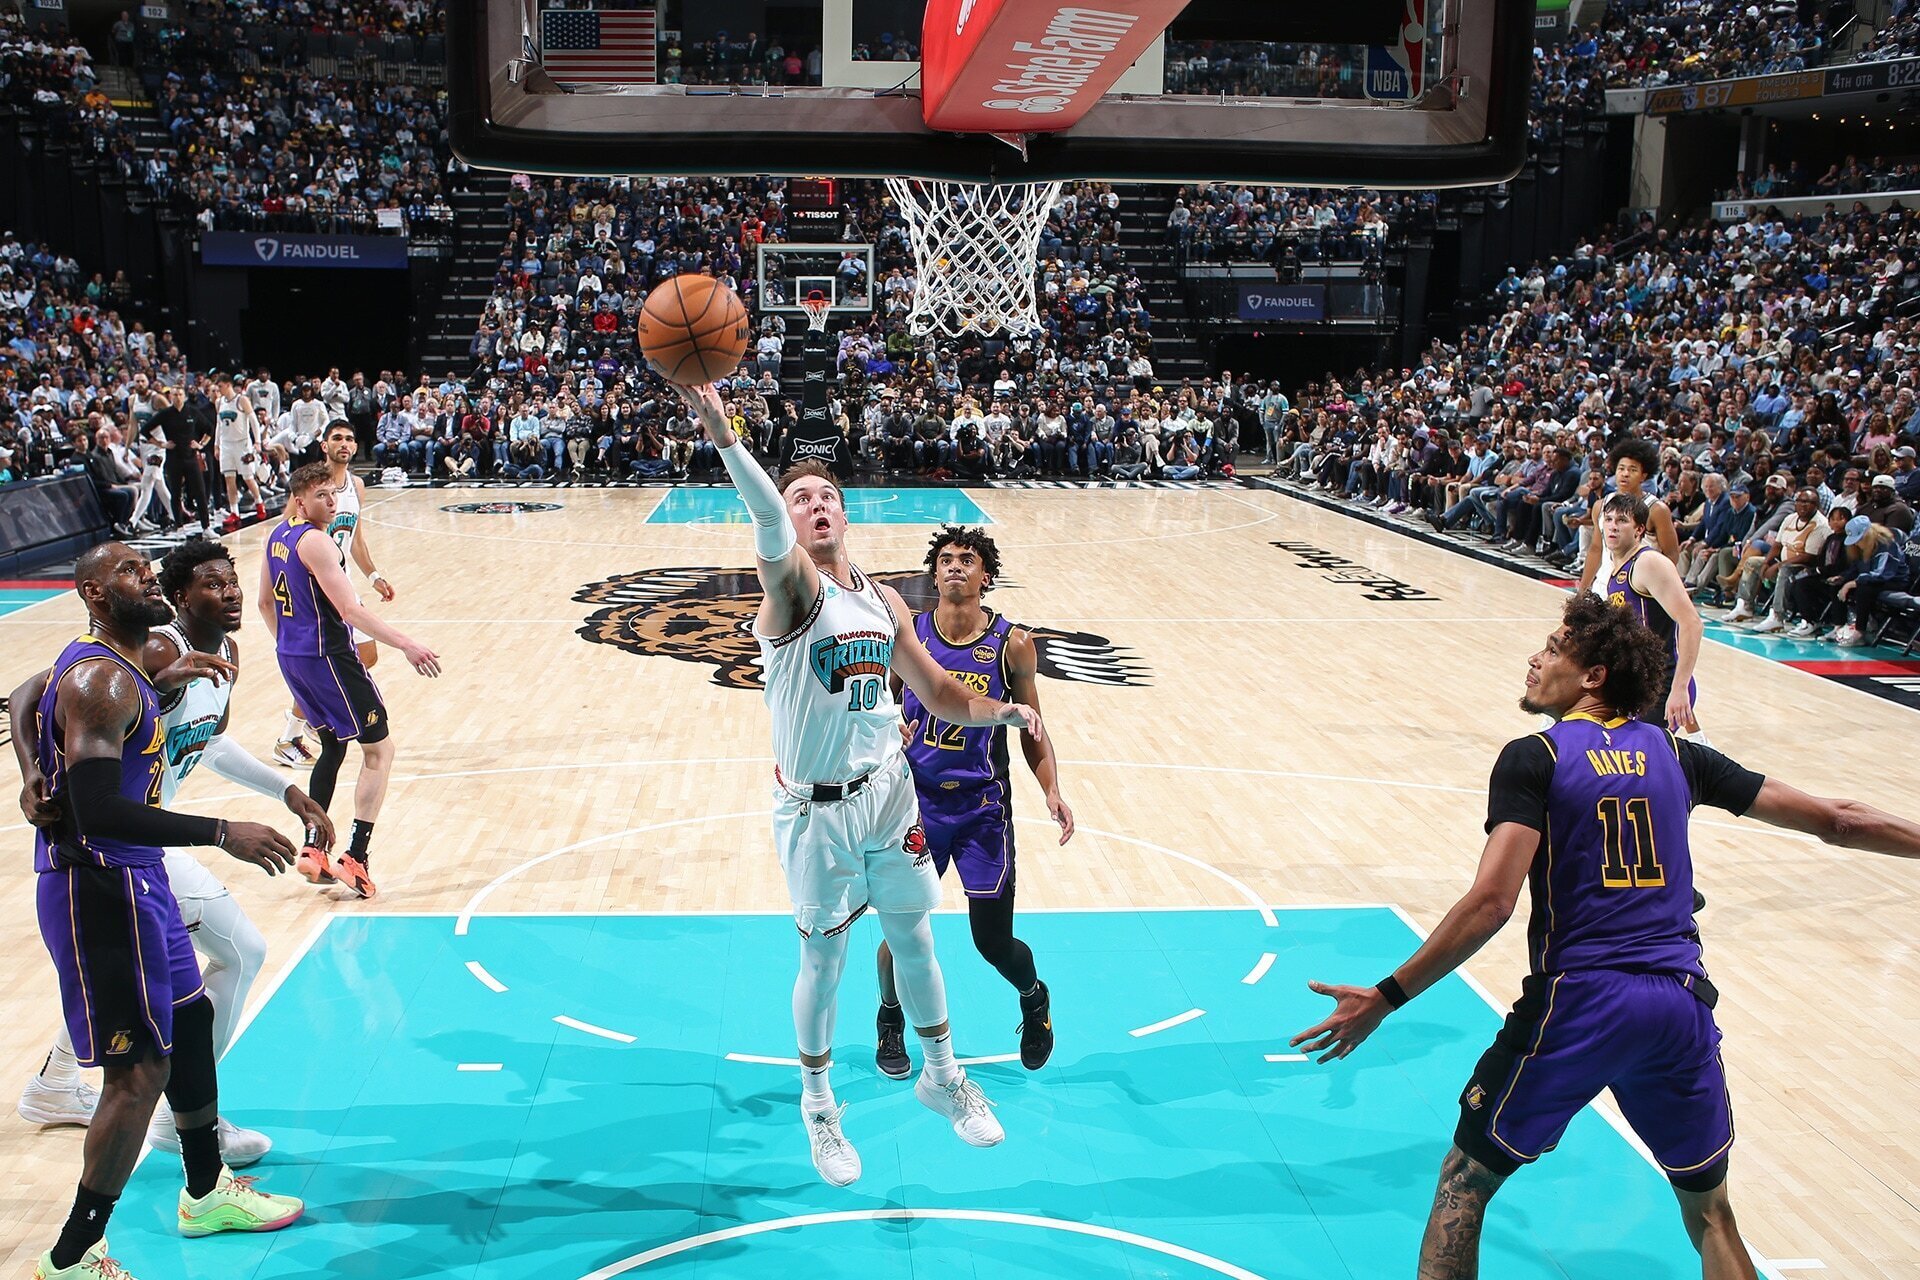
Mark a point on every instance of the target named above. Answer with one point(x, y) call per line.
point(915, 844)
point(1476, 1096)
point(373, 718)
point(120, 1042)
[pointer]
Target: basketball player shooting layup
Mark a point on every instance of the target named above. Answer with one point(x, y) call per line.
point(1594, 811)
point(960, 776)
point(844, 819)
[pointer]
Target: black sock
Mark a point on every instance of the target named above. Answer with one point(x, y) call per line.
point(200, 1157)
point(891, 1014)
point(357, 846)
point(1034, 998)
point(85, 1226)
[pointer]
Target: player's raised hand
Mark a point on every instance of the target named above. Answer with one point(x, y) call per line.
point(421, 658)
point(259, 844)
point(191, 666)
point(1357, 1011)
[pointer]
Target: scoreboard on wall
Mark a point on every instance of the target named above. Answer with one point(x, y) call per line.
point(813, 208)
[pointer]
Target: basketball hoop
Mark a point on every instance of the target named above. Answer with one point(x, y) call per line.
point(817, 306)
point(977, 249)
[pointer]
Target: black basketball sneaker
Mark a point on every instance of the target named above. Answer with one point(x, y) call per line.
point(891, 1054)
point(1036, 1028)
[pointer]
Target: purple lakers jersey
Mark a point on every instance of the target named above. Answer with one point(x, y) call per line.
point(1622, 595)
point(142, 767)
point(309, 625)
point(1612, 882)
point(950, 757)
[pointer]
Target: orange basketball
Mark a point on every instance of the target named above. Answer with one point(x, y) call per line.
point(693, 330)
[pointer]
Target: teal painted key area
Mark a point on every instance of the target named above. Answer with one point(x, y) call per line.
point(440, 1127)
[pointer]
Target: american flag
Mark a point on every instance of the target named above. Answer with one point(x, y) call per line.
point(579, 46)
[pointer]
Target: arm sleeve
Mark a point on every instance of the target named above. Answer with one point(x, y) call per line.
point(772, 531)
point(1517, 791)
point(100, 811)
point(1714, 779)
point(236, 764)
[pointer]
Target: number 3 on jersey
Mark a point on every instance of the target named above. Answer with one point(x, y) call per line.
point(863, 693)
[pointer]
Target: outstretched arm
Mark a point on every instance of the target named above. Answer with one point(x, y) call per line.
point(1852, 824)
point(1487, 906)
point(362, 553)
point(786, 571)
point(322, 560)
point(1022, 661)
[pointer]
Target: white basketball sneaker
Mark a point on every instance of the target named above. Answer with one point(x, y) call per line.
point(41, 1103)
point(833, 1155)
point(238, 1147)
point(962, 1103)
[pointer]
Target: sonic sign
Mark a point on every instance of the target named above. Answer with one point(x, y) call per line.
point(1398, 72)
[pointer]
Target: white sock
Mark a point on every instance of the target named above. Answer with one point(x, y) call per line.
point(292, 729)
point(940, 1068)
point(816, 1089)
point(62, 1070)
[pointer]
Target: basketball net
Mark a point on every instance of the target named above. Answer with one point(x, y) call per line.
point(817, 310)
point(977, 249)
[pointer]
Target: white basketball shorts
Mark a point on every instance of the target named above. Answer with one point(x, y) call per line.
point(844, 856)
point(193, 885)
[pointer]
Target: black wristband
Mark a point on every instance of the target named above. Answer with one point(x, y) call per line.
point(1389, 988)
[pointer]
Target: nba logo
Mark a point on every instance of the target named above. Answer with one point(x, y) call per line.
point(1398, 72)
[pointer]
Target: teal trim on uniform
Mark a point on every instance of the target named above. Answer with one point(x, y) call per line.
point(582, 1152)
point(685, 505)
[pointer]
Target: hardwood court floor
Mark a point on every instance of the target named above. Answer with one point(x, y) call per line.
point(1247, 716)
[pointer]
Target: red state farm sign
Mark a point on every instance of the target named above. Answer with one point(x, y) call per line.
point(1029, 66)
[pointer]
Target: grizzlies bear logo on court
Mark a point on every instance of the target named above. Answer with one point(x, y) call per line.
point(705, 614)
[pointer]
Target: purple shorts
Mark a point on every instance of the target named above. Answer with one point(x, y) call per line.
point(972, 830)
point(335, 693)
point(123, 956)
point(1647, 1036)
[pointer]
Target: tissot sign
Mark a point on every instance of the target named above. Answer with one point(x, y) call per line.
point(249, 249)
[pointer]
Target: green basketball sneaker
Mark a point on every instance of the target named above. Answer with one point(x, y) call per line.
point(235, 1204)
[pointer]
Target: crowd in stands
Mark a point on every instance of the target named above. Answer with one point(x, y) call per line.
point(1285, 226)
point(557, 388)
point(1754, 364)
point(1898, 38)
point(1658, 42)
point(1841, 177)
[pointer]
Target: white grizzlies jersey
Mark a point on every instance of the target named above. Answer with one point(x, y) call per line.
point(346, 520)
point(191, 719)
point(834, 718)
point(234, 425)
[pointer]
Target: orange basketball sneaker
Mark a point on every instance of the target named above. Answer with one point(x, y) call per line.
point(351, 872)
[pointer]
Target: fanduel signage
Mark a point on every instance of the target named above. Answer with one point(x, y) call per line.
point(247, 249)
point(1295, 302)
